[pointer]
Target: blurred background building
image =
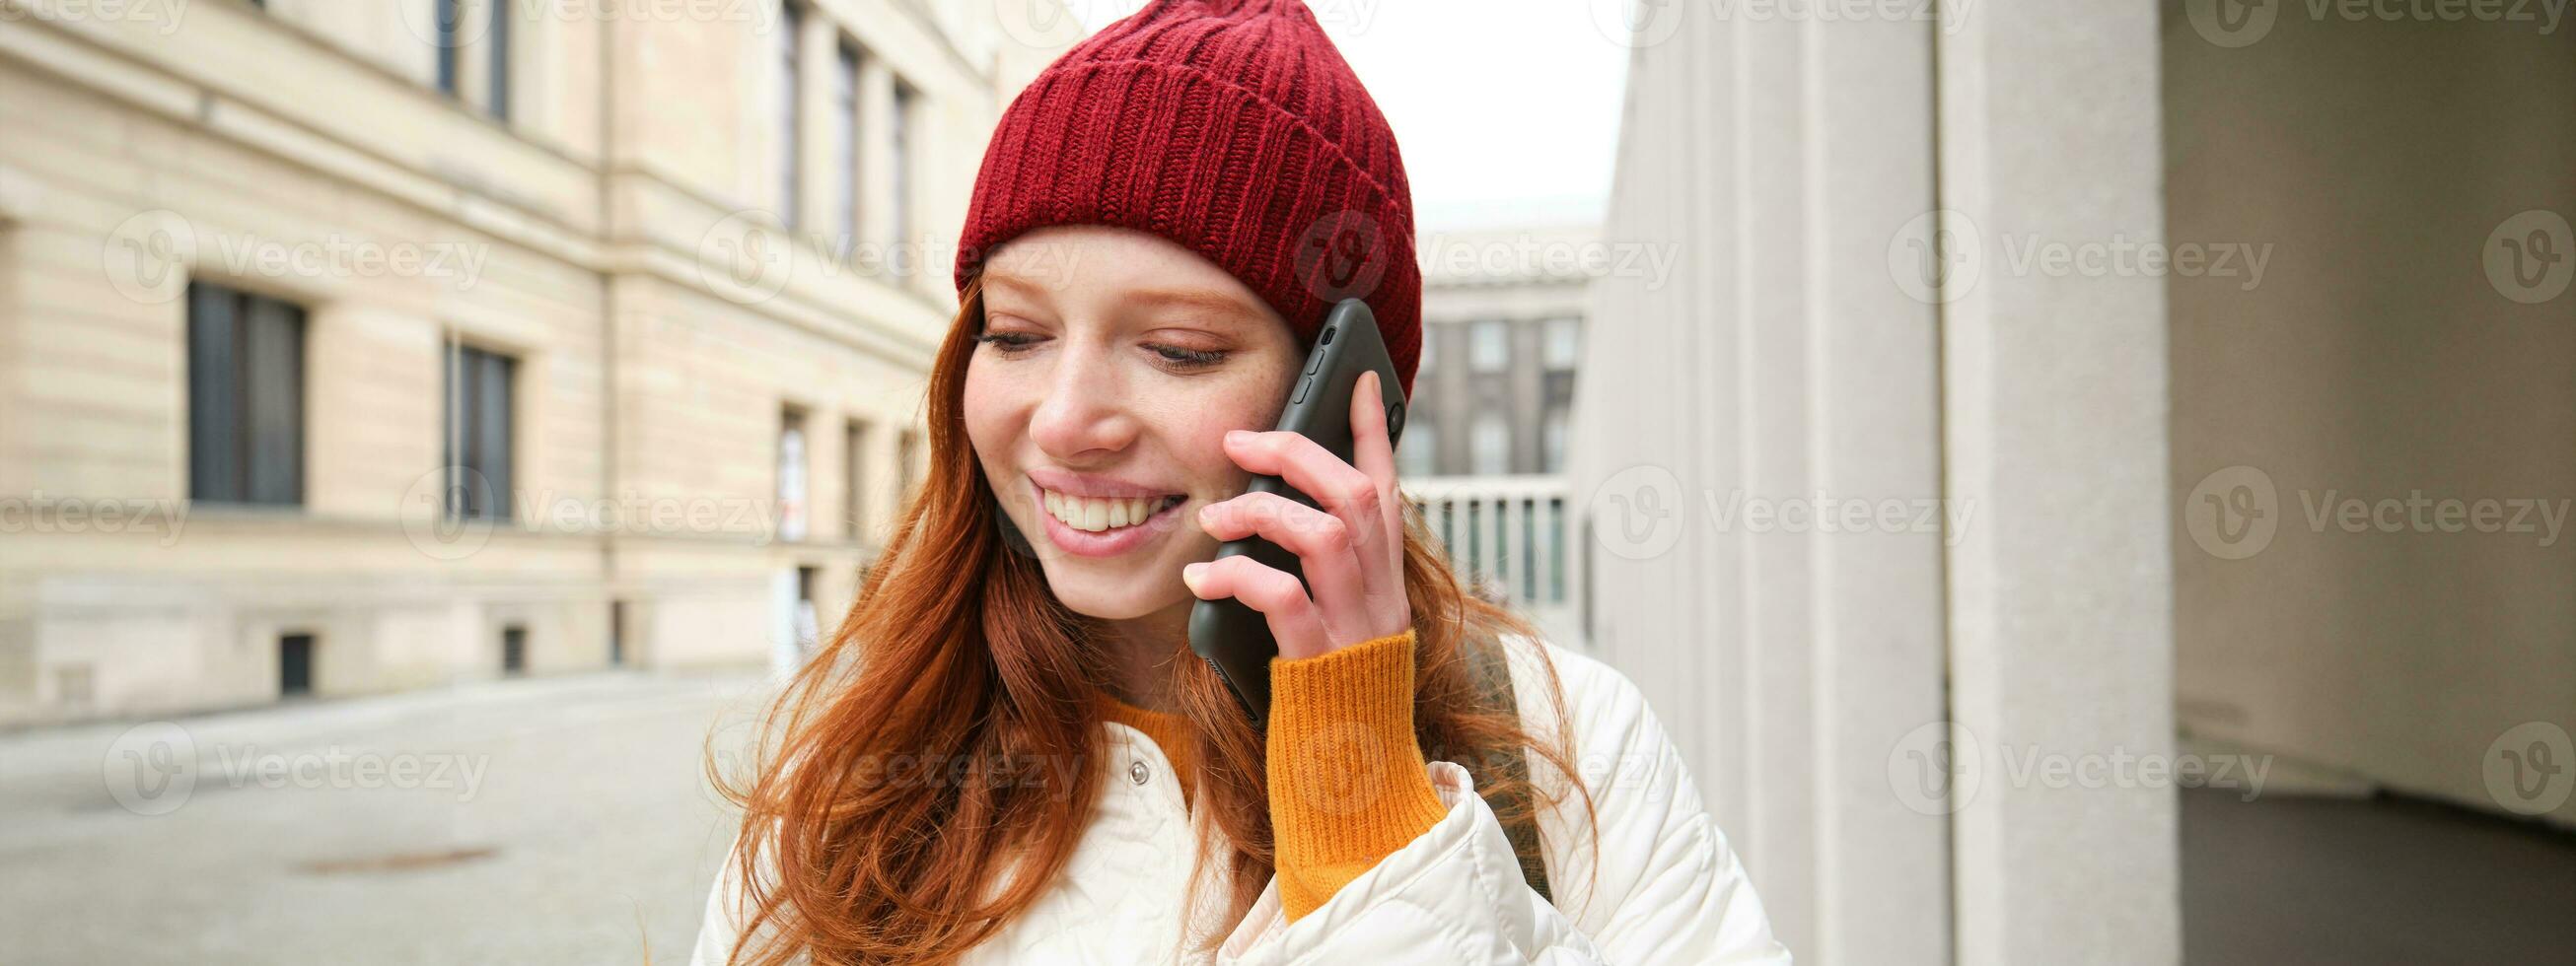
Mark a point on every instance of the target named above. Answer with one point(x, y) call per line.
point(1483, 453)
point(463, 338)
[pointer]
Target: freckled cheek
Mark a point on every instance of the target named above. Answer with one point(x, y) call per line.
point(1206, 433)
point(994, 420)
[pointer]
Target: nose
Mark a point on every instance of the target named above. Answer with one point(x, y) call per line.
point(1086, 410)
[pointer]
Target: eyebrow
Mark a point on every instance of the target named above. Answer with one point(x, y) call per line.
point(1148, 298)
point(1194, 299)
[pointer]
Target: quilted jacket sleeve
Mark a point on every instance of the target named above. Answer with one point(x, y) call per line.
point(1665, 888)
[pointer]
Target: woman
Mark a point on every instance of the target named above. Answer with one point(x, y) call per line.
point(1006, 751)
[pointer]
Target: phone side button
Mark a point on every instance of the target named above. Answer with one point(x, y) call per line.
point(1302, 385)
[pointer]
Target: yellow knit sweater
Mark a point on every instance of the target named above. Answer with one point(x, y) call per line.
point(1348, 784)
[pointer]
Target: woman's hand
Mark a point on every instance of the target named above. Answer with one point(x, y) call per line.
point(1352, 550)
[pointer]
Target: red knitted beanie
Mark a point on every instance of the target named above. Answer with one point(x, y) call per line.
point(1232, 127)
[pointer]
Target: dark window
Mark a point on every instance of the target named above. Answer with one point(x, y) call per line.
point(477, 434)
point(500, 60)
point(899, 157)
point(616, 633)
point(514, 650)
point(809, 628)
point(245, 398)
point(793, 474)
point(845, 161)
point(294, 665)
point(791, 25)
point(447, 18)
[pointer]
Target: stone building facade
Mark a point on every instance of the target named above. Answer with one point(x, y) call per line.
point(356, 347)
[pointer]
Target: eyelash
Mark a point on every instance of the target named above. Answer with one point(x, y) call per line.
point(1014, 343)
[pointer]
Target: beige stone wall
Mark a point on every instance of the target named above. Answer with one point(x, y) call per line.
point(583, 236)
point(2374, 360)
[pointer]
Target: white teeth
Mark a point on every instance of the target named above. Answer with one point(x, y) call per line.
point(1095, 513)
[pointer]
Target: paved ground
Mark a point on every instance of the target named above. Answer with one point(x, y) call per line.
point(568, 820)
point(563, 820)
point(2285, 880)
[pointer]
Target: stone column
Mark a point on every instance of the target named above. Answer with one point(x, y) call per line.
point(2061, 594)
point(1848, 480)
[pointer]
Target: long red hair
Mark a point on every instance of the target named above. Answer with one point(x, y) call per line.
point(956, 653)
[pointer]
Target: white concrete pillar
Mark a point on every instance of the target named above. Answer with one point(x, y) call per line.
point(2061, 592)
point(1801, 363)
point(1787, 377)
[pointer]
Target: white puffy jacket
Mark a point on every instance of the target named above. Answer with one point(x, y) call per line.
point(1668, 890)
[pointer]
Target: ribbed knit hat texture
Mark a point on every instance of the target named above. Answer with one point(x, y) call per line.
point(1232, 127)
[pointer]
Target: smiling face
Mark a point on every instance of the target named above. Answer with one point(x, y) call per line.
point(1112, 363)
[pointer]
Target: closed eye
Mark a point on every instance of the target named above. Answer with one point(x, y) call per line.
point(1008, 343)
point(1187, 359)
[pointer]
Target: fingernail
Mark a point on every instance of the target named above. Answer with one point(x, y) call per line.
point(1233, 436)
point(1190, 574)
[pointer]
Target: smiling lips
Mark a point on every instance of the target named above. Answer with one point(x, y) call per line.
point(1095, 514)
point(1103, 526)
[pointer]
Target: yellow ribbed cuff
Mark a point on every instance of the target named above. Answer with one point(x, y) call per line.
point(1348, 783)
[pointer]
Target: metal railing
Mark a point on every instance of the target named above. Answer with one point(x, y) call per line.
point(1508, 537)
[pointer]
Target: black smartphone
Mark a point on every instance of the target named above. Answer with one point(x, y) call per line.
point(1234, 638)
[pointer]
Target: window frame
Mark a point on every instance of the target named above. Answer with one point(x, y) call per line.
point(248, 430)
point(474, 380)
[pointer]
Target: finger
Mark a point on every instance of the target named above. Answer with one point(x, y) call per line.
point(1294, 624)
point(1322, 543)
point(1372, 450)
point(1340, 488)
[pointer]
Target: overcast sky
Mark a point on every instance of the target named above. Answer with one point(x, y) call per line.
point(1497, 104)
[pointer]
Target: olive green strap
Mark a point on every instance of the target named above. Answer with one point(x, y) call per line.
point(1510, 794)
